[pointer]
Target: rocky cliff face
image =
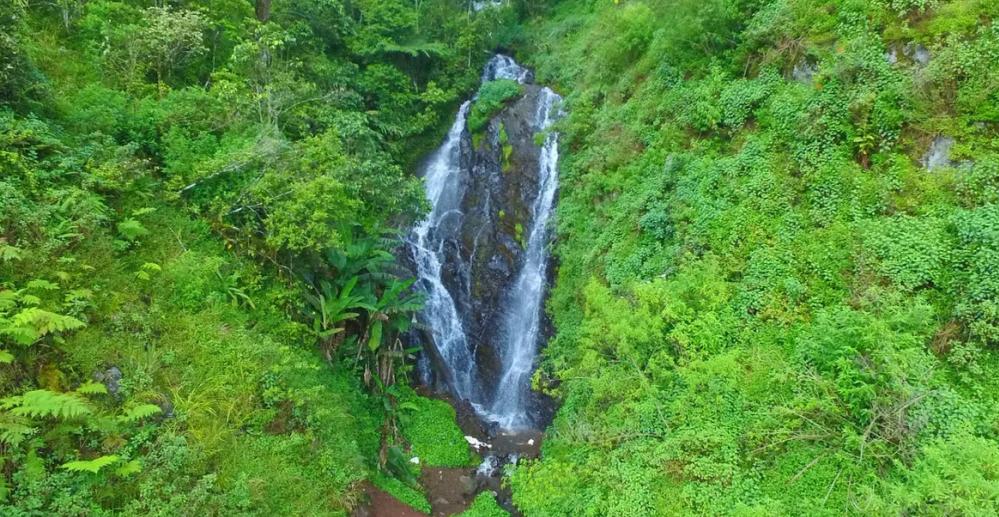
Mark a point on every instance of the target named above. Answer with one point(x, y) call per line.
point(470, 254)
point(497, 206)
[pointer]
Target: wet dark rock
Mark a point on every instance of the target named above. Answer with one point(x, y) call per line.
point(468, 485)
point(491, 466)
point(166, 405)
point(111, 378)
point(476, 246)
point(484, 248)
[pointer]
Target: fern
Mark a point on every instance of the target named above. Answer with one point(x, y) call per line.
point(92, 388)
point(41, 285)
point(147, 270)
point(14, 429)
point(32, 323)
point(139, 412)
point(131, 229)
point(8, 300)
point(6, 357)
point(48, 404)
point(94, 465)
point(132, 467)
point(30, 300)
point(9, 253)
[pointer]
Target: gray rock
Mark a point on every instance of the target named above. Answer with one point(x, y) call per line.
point(111, 379)
point(917, 53)
point(891, 56)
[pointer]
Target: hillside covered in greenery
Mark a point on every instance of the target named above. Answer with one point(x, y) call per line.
point(774, 299)
point(199, 308)
point(777, 247)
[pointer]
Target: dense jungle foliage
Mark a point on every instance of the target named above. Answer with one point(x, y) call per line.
point(199, 201)
point(778, 248)
point(773, 299)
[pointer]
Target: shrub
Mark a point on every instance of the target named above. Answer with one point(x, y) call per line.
point(493, 96)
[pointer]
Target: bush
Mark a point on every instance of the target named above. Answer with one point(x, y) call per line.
point(434, 436)
point(493, 96)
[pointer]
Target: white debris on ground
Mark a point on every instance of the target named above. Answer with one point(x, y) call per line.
point(477, 444)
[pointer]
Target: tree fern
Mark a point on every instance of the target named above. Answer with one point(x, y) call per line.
point(139, 412)
point(14, 429)
point(48, 404)
point(32, 323)
point(94, 465)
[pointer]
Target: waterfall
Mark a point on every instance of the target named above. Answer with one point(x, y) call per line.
point(445, 257)
point(522, 324)
point(428, 248)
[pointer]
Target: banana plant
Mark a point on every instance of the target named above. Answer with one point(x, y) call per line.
point(331, 309)
point(388, 316)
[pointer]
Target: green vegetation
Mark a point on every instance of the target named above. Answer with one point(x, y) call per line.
point(429, 427)
point(485, 505)
point(406, 493)
point(493, 97)
point(506, 147)
point(199, 310)
point(768, 302)
point(765, 304)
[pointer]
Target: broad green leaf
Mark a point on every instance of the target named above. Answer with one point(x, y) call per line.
point(376, 336)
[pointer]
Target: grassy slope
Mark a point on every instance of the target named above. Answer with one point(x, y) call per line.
point(765, 304)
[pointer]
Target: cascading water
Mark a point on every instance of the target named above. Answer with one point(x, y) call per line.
point(522, 328)
point(484, 276)
point(428, 247)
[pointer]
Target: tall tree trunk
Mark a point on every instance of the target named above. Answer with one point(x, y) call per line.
point(263, 10)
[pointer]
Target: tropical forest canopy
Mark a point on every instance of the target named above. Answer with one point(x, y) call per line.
point(777, 289)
